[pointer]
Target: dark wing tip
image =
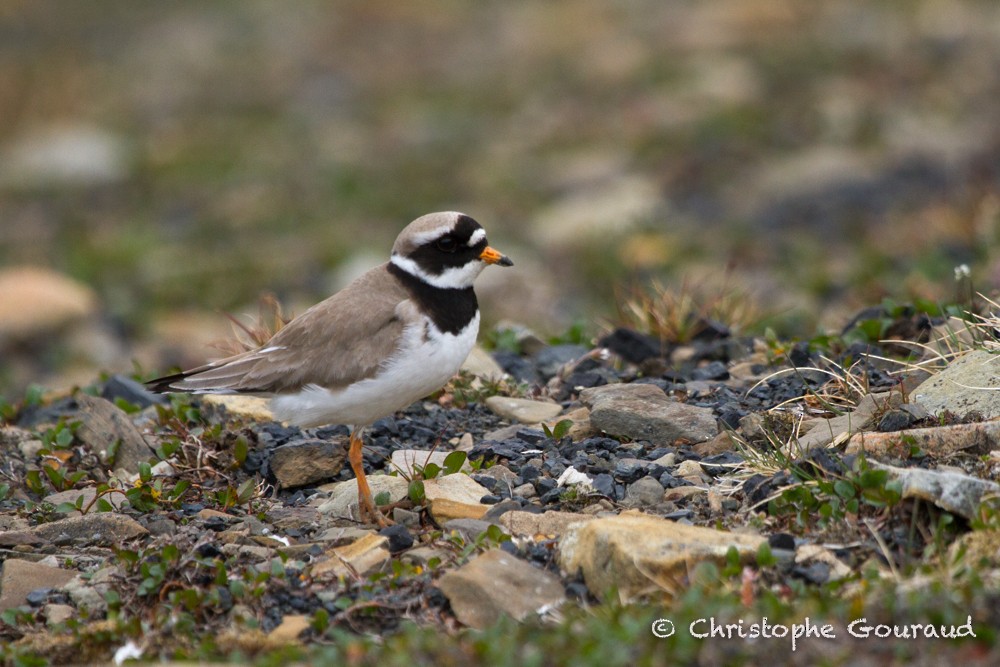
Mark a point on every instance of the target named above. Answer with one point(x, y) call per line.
point(162, 385)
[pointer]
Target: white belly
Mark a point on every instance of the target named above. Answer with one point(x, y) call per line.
point(421, 365)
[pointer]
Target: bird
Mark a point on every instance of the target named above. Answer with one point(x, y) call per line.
point(394, 335)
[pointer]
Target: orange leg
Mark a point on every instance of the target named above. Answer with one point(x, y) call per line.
point(366, 505)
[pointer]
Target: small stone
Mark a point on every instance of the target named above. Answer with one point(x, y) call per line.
point(604, 484)
point(645, 412)
point(523, 410)
point(399, 538)
point(306, 462)
point(645, 492)
point(628, 470)
point(424, 555)
point(458, 487)
point(291, 626)
point(494, 584)
point(443, 510)
point(691, 471)
point(57, 613)
point(95, 529)
point(526, 490)
point(360, 557)
point(529, 524)
point(469, 529)
point(102, 424)
point(405, 517)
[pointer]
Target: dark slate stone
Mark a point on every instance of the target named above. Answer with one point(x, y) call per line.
point(724, 463)
point(491, 499)
point(399, 537)
point(715, 370)
point(630, 470)
point(815, 573)
point(544, 484)
point(523, 370)
point(633, 346)
point(895, 420)
point(551, 496)
point(781, 541)
point(605, 485)
point(529, 472)
point(679, 514)
point(532, 436)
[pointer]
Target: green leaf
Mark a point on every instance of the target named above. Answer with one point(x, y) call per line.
point(844, 489)
point(431, 470)
point(145, 472)
point(765, 558)
point(382, 498)
point(454, 462)
point(416, 491)
point(240, 450)
point(562, 428)
point(65, 508)
point(104, 506)
point(246, 490)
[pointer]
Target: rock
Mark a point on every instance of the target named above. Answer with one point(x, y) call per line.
point(468, 528)
point(399, 538)
point(88, 493)
point(20, 577)
point(343, 501)
point(404, 460)
point(495, 584)
point(57, 613)
point(340, 536)
point(523, 410)
point(528, 524)
point(644, 492)
point(37, 302)
point(458, 488)
point(837, 430)
point(87, 596)
point(102, 424)
point(692, 471)
point(808, 554)
point(979, 549)
point(358, 558)
point(953, 492)
point(482, 365)
point(240, 406)
point(445, 510)
point(526, 490)
point(291, 626)
point(645, 412)
point(94, 529)
point(307, 461)
point(968, 383)
point(720, 444)
point(640, 555)
point(551, 358)
point(938, 441)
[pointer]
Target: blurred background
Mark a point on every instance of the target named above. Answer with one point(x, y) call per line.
point(163, 162)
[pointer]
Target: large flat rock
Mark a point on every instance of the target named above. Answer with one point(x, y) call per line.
point(644, 556)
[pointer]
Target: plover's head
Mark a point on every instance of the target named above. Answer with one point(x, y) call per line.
point(445, 250)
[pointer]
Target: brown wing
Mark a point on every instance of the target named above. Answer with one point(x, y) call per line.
point(336, 342)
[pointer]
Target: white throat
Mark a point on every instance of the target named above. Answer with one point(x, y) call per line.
point(458, 277)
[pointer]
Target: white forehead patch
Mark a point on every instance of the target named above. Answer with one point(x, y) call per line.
point(476, 237)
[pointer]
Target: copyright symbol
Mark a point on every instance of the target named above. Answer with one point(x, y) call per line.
point(663, 627)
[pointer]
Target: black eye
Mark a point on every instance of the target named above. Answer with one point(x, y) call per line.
point(447, 244)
